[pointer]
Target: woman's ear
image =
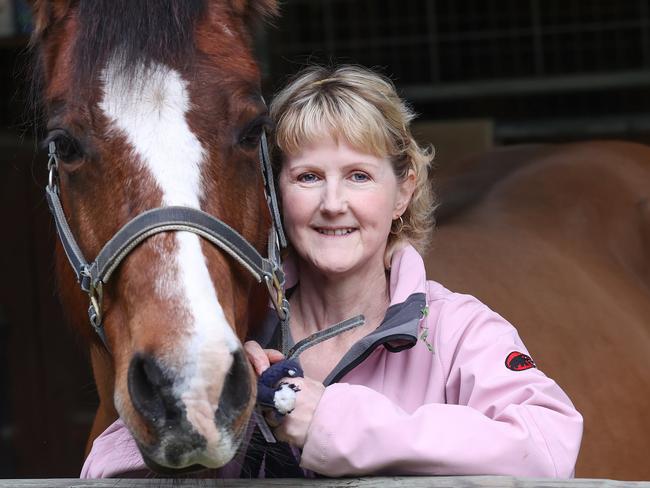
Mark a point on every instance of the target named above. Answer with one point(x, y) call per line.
point(406, 188)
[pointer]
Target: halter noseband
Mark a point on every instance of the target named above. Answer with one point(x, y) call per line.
point(92, 276)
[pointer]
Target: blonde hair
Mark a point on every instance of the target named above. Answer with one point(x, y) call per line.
point(362, 108)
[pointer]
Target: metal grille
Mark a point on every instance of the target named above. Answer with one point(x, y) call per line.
point(524, 63)
point(443, 41)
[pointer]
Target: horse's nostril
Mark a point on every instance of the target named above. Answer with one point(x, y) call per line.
point(236, 392)
point(150, 391)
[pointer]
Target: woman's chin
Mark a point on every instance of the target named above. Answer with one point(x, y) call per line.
point(338, 265)
point(335, 267)
point(338, 269)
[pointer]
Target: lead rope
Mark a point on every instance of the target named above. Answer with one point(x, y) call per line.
point(281, 398)
point(323, 335)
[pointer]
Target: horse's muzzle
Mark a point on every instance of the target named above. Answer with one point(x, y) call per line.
point(178, 444)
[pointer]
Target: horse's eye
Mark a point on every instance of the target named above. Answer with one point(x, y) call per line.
point(67, 147)
point(250, 136)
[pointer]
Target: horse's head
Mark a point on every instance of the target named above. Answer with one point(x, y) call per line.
point(155, 104)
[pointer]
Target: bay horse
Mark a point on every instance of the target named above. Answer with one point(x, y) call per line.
point(156, 105)
point(557, 239)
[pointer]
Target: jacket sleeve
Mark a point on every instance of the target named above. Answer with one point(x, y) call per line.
point(495, 421)
point(114, 453)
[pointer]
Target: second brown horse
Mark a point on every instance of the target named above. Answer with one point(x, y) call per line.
point(557, 240)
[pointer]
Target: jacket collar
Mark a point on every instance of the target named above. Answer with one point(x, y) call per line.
point(400, 326)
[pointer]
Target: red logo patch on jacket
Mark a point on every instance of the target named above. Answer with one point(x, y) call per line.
point(518, 361)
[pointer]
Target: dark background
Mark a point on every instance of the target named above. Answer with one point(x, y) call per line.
point(530, 70)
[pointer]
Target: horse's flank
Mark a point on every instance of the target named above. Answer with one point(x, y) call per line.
point(558, 241)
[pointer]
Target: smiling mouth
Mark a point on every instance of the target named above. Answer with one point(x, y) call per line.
point(336, 232)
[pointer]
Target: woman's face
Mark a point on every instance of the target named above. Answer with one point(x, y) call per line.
point(338, 206)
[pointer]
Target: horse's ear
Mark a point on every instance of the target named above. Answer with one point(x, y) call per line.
point(41, 17)
point(45, 13)
point(252, 10)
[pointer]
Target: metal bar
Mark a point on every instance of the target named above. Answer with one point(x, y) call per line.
point(557, 29)
point(434, 53)
point(525, 86)
point(645, 31)
point(528, 130)
point(328, 27)
point(538, 45)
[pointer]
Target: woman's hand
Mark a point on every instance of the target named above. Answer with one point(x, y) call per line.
point(293, 427)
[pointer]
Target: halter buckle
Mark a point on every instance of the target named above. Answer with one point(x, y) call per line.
point(95, 295)
point(276, 293)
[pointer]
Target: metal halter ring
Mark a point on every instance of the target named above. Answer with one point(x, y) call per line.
point(52, 166)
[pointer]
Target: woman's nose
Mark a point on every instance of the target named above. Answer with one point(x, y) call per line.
point(334, 200)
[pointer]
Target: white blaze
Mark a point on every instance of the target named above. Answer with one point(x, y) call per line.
point(150, 113)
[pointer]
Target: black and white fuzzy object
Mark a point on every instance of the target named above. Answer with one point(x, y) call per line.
point(280, 397)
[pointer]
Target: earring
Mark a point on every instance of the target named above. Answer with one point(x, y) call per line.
point(399, 227)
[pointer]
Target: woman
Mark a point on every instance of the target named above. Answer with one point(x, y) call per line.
point(433, 382)
point(423, 387)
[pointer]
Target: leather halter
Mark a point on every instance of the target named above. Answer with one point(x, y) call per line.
point(92, 276)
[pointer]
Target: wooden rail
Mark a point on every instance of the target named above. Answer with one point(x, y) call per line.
point(378, 482)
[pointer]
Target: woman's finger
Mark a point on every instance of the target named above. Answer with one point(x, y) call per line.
point(257, 356)
point(274, 355)
point(260, 358)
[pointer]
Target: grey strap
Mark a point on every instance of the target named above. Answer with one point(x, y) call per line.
point(323, 335)
point(72, 251)
point(144, 226)
point(187, 219)
point(271, 195)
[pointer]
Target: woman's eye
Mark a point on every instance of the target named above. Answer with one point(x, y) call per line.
point(359, 177)
point(307, 178)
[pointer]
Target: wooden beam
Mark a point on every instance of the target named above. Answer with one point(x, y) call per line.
point(375, 482)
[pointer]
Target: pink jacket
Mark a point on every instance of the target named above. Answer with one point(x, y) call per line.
point(443, 386)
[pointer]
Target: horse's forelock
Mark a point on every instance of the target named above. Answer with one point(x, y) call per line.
point(145, 32)
point(128, 33)
point(133, 34)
